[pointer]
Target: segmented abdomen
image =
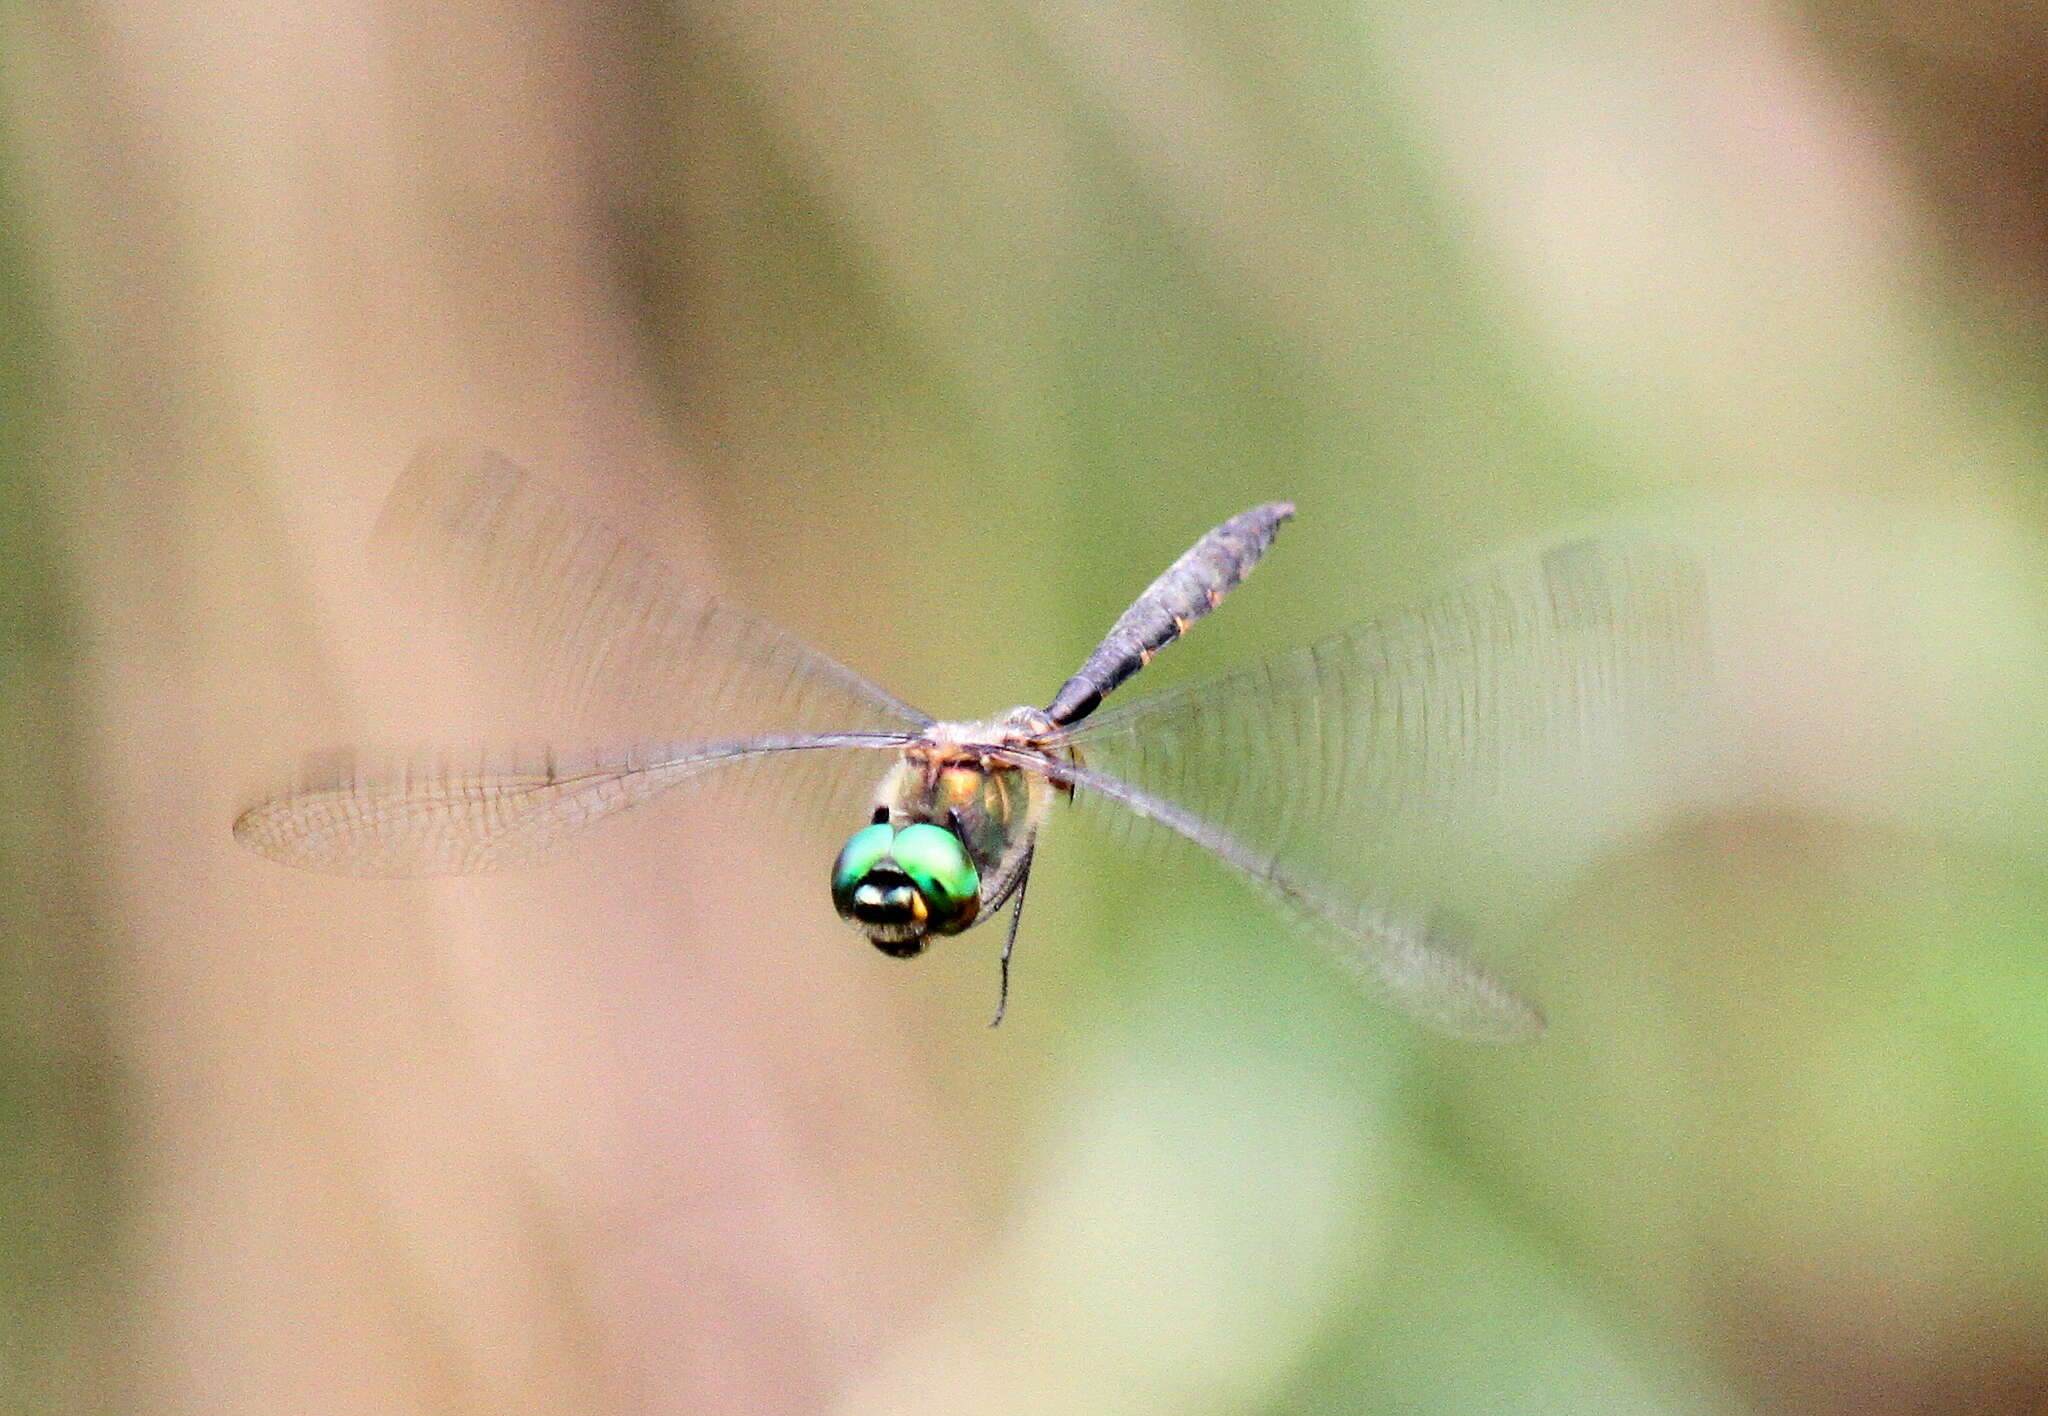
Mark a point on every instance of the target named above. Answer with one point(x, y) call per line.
point(1191, 587)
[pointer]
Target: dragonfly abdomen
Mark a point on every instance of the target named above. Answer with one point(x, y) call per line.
point(1190, 588)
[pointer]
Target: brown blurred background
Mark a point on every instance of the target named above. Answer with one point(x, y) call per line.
point(931, 332)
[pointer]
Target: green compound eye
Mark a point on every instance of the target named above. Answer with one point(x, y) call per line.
point(867, 848)
point(937, 864)
point(861, 852)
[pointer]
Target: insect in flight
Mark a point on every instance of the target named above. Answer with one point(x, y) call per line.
point(1367, 729)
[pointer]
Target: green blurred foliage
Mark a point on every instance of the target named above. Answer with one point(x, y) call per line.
point(57, 1138)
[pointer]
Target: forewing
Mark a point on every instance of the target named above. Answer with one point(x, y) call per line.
point(456, 813)
point(1336, 768)
point(606, 634)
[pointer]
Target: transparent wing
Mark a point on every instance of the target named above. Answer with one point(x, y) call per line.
point(1397, 957)
point(1576, 674)
point(606, 633)
point(629, 682)
point(438, 815)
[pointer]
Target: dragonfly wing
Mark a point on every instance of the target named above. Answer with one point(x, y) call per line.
point(605, 636)
point(1397, 958)
point(1578, 672)
point(438, 816)
point(589, 639)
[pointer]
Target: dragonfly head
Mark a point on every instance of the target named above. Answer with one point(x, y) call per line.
point(900, 886)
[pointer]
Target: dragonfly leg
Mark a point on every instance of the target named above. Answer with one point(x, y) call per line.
point(1010, 940)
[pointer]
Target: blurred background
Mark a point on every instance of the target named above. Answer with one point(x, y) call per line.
point(933, 331)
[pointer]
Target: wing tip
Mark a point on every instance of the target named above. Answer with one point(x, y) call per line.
point(262, 829)
point(450, 486)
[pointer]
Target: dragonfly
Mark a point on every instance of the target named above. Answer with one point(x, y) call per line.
point(1553, 659)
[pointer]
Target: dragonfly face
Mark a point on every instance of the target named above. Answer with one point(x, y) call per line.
point(901, 887)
